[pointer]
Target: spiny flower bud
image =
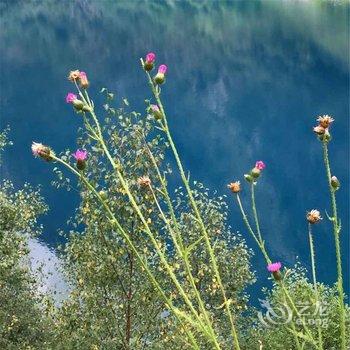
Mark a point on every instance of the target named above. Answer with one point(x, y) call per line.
point(335, 183)
point(80, 156)
point(325, 121)
point(156, 112)
point(73, 75)
point(144, 181)
point(313, 216)
point(44, 152)
point(274, 268)
point(149, 61)
point(83, 80)
point(235, 187)
point(160, 76)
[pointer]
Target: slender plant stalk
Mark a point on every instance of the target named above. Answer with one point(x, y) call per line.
point(193, 203)
point(317, 297)
point(116, 223)
point(336, 232)
point(258, 240)
point(252, 187)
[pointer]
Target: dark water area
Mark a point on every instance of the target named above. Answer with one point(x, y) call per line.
point(246, 81)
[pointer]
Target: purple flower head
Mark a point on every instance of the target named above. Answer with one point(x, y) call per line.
point(260, 165)
point(82, 75)
point(162, 69)
point(150, 57)
point(71, 97)
point(80, 155)
point(154, 108)
point(274, 267)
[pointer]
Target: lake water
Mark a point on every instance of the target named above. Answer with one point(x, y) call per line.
point(246, 81)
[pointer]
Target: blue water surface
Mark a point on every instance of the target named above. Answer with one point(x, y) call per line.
point(246, 81)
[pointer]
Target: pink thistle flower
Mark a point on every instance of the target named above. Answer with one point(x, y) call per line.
point(260, 165)
point(274, 267)
point(80, 155)
point(71, 97)
point(162, 69)
point(160, 76)
point(150, 57)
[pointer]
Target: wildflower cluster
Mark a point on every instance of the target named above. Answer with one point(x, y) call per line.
point(148, 65)
point(79, 79)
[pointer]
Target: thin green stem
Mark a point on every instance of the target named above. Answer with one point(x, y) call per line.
point(252, 187)
point(256, 219)
point(313, 268)
point(250, 230)
point(336, 232)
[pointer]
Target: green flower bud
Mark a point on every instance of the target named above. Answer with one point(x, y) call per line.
point(78, 104)
point(255, 173)
point(277, 275)
point(159, 78)
point(148, 66)
point(103, 195)
point(248, 177)
point(81, 164)
point(335, 183)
